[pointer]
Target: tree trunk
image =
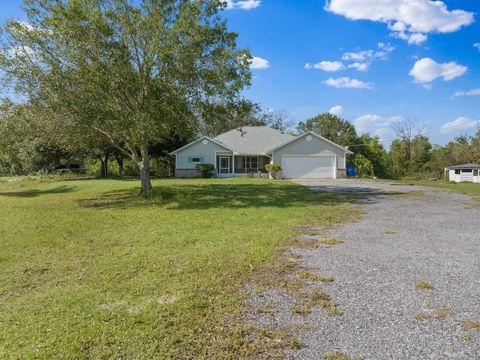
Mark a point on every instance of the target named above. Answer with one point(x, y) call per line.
point(104, 162)
point(144, 166)
point(119, 159)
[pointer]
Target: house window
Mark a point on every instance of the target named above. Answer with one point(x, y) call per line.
point(467, 170)
point(250, 163)
point(475, 173)
point(196, 159)
point(457, 172)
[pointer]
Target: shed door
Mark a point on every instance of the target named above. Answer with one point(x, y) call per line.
point(309, 167)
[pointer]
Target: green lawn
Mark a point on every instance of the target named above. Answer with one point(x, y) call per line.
point(464, 187)
point(88, 269)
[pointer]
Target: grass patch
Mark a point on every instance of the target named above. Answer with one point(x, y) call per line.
point(310, 244)
point(308, 275)
point(410, 194)
point(340, 356)
point(438, 313)
point(301, 309)
point(326, 279)
point(258, 340)
point(267, 308)
point(319, 298)
point(464, 187)
point(470, 324)
point(330, 241)
point(305, 327)
point(316, 298)
point(389, 232)
point(89, 269)
point(279, 339)
point(463, 336)
point(424, 285)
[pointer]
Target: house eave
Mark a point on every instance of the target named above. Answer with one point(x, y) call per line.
point(196, 141)
point(314, 134)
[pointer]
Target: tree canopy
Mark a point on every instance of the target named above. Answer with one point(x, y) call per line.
point(332, 127)
point(130, 71)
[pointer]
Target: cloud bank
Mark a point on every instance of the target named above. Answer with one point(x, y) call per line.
point(410, 20)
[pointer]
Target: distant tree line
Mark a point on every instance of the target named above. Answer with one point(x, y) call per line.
point(410, 155)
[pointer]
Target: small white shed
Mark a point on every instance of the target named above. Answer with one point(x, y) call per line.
point(466, 172)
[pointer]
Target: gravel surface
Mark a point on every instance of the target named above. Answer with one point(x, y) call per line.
point(429, 235)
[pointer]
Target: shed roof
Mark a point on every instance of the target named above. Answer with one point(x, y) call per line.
point(464, 167)
point(253, 139)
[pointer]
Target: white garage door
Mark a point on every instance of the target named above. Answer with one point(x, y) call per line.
point(309, 167)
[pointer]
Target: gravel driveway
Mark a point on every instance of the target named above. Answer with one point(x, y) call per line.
point(430, 235)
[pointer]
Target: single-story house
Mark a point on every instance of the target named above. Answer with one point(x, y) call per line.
point(466, 172)
point(249, 148)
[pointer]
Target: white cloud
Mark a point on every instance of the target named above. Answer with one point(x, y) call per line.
point(377, 125)
point(259, 63)
point(359, 66)
point(346, 82)
point(427, 70)
point(365, 55)
point(385, 47)
point(360, 60)
point(336, 110)
point(459, 124)
point(330, 66)
point(415, 38)
point(369, 55)
point(243, 4)
point(407, 19)
point(473, 92)
point(477, 45)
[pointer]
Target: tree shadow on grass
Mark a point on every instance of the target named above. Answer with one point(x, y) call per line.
point(364, 195)
point(36, 192)
point(229, 196)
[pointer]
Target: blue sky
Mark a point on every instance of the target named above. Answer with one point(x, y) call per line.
point(290, 34)
point(371, 61)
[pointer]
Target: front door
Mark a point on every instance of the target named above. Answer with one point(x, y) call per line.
point(224, 165)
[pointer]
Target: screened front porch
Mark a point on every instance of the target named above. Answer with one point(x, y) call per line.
point(238, 165)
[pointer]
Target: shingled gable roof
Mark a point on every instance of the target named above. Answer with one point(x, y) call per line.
point(344, 148)
point(254, 140)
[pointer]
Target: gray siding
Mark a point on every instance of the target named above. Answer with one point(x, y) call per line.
point(207, 152)
point(303, 147)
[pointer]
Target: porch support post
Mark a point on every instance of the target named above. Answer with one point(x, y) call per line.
point(233, 165)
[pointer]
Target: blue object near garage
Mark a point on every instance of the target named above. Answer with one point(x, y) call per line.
point(351, 171)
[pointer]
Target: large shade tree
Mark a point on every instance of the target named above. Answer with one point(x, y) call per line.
point(332, 127)
point(130, 71)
